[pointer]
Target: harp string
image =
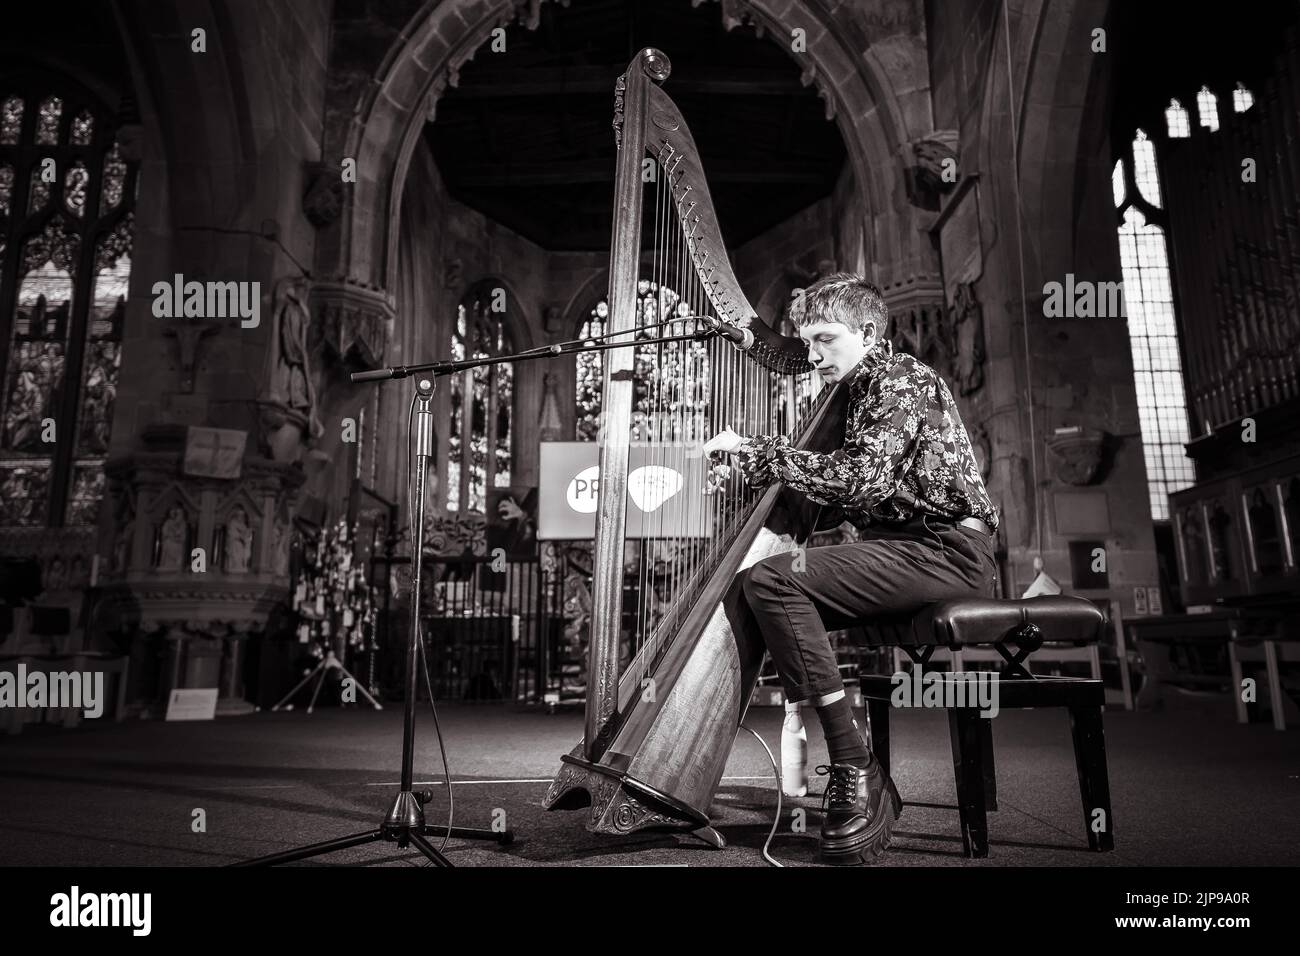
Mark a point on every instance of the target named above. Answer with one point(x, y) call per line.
point(692, 391)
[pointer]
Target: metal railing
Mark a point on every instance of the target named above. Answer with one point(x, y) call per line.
point(491, 628)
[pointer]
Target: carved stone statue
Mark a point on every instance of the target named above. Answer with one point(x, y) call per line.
point(56, 575)
point(453, 273)
point(281, 549)
point(291, 379)
point(174, 531)
point(967, 325)
point(239, 542)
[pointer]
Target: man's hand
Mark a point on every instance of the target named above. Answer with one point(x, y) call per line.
point(725, 441)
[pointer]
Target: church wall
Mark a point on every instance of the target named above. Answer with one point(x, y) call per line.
point(226, 131)
point(785, 257)
point(960, 35)
point(1056, 215)
point(446, 248)
point(221, 168)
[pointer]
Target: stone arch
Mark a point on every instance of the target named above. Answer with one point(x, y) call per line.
point(850, 75)
point(168, 79)
point(522, 331)
point(1057, 84)
point(575, 312)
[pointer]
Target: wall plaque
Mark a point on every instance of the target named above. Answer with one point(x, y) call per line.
point(214, 452)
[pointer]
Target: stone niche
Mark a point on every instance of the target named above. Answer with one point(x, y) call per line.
point(199, 560)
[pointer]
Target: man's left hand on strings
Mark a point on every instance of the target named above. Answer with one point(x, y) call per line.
point(726, 441)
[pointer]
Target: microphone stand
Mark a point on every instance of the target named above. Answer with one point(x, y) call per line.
point(405, 823)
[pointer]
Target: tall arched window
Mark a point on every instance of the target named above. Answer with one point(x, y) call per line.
point(480, 450)
point(1153, 332)
point(670, 379)
point(66, 195)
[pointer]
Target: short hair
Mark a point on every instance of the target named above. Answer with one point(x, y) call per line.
point(843, 297)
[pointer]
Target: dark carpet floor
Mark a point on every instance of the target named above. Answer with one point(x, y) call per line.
point(1189, 788)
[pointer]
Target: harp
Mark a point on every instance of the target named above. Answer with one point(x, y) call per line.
point(658, 733)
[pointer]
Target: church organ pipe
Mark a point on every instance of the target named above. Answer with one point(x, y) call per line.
point(1238, 204)
point(1276, 242)
point(1264, 249)
point(1287, 224)
point(1236, 247)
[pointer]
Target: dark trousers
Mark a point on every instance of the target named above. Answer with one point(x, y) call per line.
point(893, 571)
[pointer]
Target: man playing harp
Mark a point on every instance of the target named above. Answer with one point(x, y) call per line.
point(907, 479)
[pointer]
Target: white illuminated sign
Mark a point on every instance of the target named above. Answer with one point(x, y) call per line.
point(584, 491)
point(664, 492)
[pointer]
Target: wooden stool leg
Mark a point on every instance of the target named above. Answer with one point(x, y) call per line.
point(1094, 782)
point(1276, 698)
point(878, 729)
point(987, 762)
point(963, 727)
point(1234, 668)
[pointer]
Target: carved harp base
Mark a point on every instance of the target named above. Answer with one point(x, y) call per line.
point(619, 804)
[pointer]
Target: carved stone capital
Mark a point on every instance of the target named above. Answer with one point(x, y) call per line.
point(322, 198)
point(1077, 456)
point(931, 168)
point(354, 318)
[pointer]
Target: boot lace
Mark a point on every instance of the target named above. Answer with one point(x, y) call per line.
point(842, 787)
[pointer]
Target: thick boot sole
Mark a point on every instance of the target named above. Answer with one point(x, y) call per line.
point(869, 845)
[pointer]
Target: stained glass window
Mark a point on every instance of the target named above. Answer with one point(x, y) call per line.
point(480, 449)
point(83, 129)
point(61, 320)
point(74, 188)
point(1153, 331)
point(47, 122)
point(668, 379)
point(1176, 120)
point(1144, 169)
point(39, 194)
point(114, 179)
point(11, 120)
point(1207, 109)
point(6, 189)
point(1242, 99)
point(589, 374)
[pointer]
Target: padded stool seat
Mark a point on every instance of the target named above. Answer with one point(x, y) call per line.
point(1015, 628)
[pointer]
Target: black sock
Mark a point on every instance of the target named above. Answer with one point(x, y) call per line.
point(843, 736)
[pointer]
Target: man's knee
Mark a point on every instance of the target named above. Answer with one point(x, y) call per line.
point(766, 578)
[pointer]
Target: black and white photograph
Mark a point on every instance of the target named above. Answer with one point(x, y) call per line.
point(552, 437)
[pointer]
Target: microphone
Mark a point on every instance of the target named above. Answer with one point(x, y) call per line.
point(742, 338)
point(374, 375)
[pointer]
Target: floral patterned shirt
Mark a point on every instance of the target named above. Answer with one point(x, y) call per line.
point(906, 451)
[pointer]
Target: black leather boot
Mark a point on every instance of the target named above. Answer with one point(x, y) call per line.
point(860, 806)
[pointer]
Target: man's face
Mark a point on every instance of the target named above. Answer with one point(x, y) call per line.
point(834, 348)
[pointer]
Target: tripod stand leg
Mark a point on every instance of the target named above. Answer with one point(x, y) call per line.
point(357, 684)
point(319, 683)
point(425, 847)
point(315, 849)
point(299, 686)
point(504, 837)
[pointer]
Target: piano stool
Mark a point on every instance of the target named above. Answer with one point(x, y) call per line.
point(1015, 629)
